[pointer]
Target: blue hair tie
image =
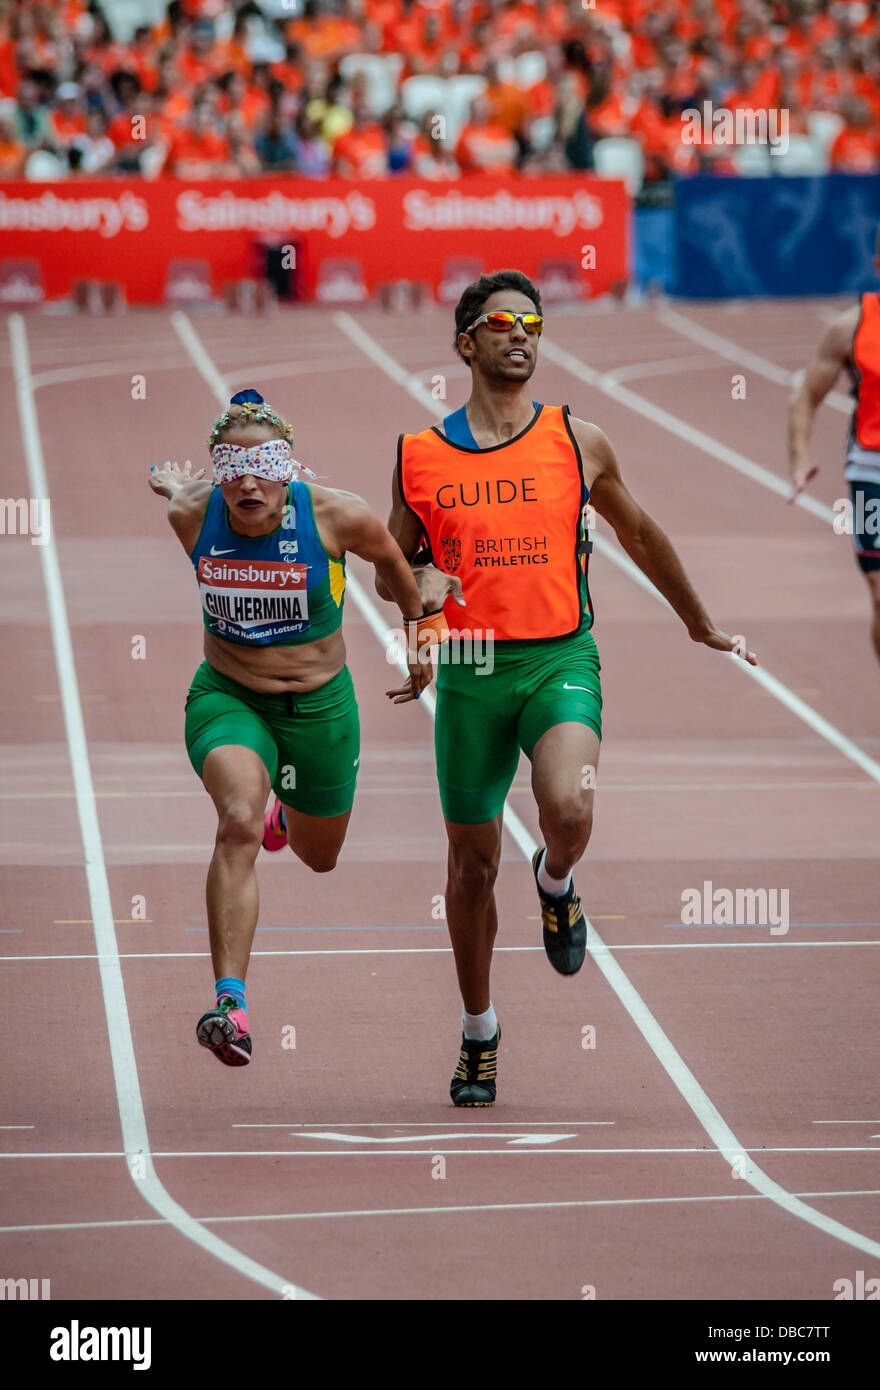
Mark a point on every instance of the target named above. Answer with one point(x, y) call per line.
point(249, 394)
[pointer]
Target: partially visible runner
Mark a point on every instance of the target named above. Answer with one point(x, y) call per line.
point(272, 706)
point(497, 499)
point(852, 342)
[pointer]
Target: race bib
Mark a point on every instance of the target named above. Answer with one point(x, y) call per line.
point(254, 600)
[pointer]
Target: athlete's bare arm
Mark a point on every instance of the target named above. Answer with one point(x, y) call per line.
point(831, 357)
point(434, 586)
point(346, 523)
point(643, 540)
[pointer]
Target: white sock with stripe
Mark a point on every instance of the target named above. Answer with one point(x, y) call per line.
point(554, 886)
point(479, 1027)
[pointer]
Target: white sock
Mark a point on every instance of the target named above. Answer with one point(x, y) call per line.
point(479, 1027)
point(554, 886)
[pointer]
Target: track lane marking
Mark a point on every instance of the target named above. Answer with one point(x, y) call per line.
point(740, 356)
point(414, 1124)
point(125, 1075)
point(436, 1211)
point(605, 382)
point(703, 1151)
point(447, 950)
point(679, 1073)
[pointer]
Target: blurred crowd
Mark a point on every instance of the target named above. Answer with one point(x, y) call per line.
point(214, 89)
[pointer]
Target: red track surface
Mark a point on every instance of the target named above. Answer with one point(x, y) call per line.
point(705, 775)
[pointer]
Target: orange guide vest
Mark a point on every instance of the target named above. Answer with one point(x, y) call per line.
point(509, 521)
point(866, 359)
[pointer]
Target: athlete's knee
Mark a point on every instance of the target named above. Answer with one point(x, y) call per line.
point(240, 826)
point(473, 867)
point(568, 819)
point(319, 858)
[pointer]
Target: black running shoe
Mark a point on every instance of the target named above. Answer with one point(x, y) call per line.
point(224, 1031)
point(564, 926)
point(474, 1079)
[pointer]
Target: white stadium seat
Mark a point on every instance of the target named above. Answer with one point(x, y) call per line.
point(460, 92)
point(423, 93)
point(824, 127)
point(381, 71)
point(804, 156)
point(617, 157)
point(752, 161)
point(531, 68)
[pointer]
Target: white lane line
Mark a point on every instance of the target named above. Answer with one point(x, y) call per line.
point(666, 366)
point(704, 1151)
point(604, 382)
point(125, 1074)
point(447, 950)
point(515, 1138)
point(438, 1211)
point(97, 369)
point(416, 1124)
point(273, 371)
point(680, 1074)
point(830, 784)
point(733, 352)
point(846, 1122)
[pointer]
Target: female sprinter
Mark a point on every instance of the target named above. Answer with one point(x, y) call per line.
point(272, 705)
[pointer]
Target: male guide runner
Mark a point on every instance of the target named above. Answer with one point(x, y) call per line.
point(495, 502)
point(851, 342)
point(273, 704)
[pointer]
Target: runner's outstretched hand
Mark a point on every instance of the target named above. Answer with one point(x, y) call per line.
point(720, 642)
point(170, 477)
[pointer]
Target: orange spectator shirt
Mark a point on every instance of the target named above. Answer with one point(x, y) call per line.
point(11, 160)
point(67, 127)
point(488, 149)
point(196, 156)
point(508, 105)
point(855, 152)
point(363, 151)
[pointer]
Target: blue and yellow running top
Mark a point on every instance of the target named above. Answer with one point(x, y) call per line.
point(278, 589)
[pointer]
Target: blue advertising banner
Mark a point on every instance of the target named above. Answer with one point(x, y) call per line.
point(776, 236)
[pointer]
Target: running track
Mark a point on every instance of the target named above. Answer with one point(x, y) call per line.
point(720, 1139)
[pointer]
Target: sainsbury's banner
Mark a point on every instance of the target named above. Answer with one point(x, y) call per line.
point(349, 237)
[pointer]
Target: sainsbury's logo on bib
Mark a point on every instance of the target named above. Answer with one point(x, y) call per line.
point(261, 574)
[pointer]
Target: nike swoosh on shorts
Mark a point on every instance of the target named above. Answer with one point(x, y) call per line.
point(566, 686)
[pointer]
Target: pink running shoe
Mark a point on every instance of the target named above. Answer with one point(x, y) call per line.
point(274, 830)
point(224, 1031)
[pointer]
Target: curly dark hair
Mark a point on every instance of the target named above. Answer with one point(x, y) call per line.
point(470, 306)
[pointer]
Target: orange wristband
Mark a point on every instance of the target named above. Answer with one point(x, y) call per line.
point(433, 623)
